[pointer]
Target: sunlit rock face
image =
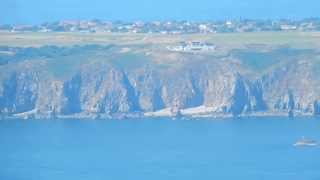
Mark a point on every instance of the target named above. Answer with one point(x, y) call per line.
point(102, 86)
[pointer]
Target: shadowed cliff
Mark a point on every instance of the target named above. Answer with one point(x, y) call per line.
point(110, 80)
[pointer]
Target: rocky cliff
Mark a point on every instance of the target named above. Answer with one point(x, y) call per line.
point(112, 82)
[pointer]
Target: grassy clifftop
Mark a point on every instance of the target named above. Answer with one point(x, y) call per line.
point(297, 39)
point(122, 73)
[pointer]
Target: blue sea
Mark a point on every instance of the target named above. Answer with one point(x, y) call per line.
point(159, 149)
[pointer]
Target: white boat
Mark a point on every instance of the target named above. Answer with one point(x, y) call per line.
point(305, 142)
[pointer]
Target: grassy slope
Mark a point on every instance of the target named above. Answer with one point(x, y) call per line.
point(262, 61)
point(256, 51)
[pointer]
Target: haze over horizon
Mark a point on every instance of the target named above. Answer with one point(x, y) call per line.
point(37, 11)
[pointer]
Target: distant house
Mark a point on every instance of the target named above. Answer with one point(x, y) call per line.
point(44, 29)
point(203, 28)
point(286, 27)
point(24, 28)
point(228, 23)
point(193, 46)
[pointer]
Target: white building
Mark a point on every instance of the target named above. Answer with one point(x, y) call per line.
point(194, 46)
point(288, 27)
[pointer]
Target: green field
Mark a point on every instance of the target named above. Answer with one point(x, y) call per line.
point(295, 39)
point(257, 52)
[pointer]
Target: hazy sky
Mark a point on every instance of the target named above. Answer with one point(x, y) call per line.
point(37, 11)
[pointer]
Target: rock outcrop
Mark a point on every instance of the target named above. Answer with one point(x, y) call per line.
point(101, 87)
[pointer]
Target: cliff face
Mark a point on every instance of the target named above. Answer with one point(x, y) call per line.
point(102, 87)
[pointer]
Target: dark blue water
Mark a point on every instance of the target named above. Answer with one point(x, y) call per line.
point(158, 149)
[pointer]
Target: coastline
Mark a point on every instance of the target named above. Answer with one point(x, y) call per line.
point(164, 113)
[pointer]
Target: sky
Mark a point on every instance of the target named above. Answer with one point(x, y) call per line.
point(39, 11)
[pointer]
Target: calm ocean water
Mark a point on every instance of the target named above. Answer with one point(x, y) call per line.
point(159, 149)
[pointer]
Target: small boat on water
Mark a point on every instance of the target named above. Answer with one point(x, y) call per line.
point(305, 142)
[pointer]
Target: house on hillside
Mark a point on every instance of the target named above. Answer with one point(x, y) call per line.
point(193, 46)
